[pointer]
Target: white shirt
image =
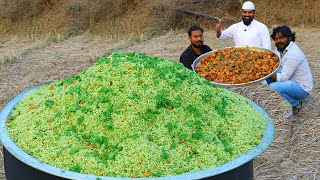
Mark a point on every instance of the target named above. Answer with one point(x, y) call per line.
point(294, 66)
point(256, 34)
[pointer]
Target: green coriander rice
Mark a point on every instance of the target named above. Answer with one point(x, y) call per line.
point(131, 115)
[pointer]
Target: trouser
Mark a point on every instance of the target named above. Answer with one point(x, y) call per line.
point(290, 90)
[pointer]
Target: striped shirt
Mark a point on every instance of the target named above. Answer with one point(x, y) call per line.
point(294, 66)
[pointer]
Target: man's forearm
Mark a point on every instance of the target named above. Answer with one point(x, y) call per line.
point(274, 77)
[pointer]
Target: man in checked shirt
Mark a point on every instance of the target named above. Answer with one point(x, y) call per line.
point(294, 81)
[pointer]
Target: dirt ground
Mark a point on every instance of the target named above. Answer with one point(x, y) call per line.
point(294, 153)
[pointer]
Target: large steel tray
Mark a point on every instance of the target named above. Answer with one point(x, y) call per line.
point(197, 62)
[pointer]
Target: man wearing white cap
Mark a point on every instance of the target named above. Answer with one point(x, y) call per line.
point(248, 32)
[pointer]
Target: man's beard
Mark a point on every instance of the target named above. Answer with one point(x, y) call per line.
point(281, 49)
point(198, 45)
point(246, 20)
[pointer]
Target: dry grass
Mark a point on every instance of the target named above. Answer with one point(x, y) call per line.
point(294, 153)
point(16, 47)
point(123, 17)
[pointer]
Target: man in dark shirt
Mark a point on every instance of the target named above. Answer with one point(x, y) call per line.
point(196, 47)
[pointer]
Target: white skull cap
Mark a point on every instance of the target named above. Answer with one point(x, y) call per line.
point(248, 5)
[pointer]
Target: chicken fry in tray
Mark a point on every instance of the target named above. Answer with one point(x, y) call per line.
point(237, 65)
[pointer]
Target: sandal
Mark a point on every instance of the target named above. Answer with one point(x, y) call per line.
point(298, 107)
point(295, 110)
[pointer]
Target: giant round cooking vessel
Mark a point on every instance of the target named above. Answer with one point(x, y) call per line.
point(20, 165)
point(198, 60)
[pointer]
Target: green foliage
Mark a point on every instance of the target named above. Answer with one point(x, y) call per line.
point(75, 168)
point(220, 107)
point(49, 103)
point(68, 80)
point(71, 130)
point(161, 100)
point(170, 126)
point(80, 120)
point(225, 139)
point(193, 110)
point(165, 154)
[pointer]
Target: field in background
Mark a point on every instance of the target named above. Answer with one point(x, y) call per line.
point(140, 17)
